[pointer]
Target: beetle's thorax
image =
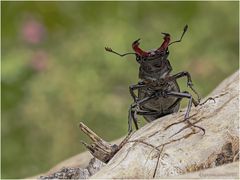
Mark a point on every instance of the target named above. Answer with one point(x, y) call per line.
point(155, 67)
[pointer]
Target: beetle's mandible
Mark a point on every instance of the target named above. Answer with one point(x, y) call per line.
point(158, 91)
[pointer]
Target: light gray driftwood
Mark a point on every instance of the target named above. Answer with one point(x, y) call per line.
point(152, 151)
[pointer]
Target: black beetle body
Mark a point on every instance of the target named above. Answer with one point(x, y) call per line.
point(156, 68)
point(158, 90)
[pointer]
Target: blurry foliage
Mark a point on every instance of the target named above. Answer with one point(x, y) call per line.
point(56, 73)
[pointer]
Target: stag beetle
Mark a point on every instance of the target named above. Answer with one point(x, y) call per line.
point(158, 91)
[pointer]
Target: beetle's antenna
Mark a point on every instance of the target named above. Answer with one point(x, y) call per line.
point(110, 50)
point(184, 31)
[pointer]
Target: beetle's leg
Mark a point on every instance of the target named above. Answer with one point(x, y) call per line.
point(144, 100)
point(135, 121)
point(132, 117)
point(134, 87)
point(133, 109)
point(182, 74)
point(195, 102)
point(189, 81)
point(144, 112)
point(191, 100)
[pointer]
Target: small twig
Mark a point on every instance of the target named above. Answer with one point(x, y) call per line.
point(100, 149)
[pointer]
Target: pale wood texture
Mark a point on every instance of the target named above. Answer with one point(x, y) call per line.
point(189, 150)
point(226, 171)
point(153, 151)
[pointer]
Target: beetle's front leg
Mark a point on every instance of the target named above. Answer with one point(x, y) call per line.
point(182, 74)
point(189, 81)
point(134, 87)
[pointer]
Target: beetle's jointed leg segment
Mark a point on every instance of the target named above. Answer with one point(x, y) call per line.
point(134, 87)
point(189, 81)
point(195, 103)
point(147, 112)
point(191, 100)
point(133, 110)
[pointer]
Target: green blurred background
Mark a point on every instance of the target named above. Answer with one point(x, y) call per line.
point(55, 72)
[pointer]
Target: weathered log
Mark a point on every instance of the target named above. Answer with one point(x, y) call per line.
point(155, 151)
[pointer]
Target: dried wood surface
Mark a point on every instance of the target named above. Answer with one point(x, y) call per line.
point(155, 152)
point(226, 171)
point(152, 151)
